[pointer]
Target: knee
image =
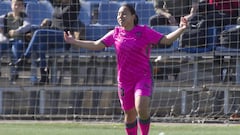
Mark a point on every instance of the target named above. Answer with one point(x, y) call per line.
point(143, 113)
point(130, 115)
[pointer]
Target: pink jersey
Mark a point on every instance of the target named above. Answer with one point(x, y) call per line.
point(133, 51)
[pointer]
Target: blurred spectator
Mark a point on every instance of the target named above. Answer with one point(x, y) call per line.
point(94, 16)
point(65, 18)
point(169, 12)
point(14, 26)
point(205, 14)
point(218, 12)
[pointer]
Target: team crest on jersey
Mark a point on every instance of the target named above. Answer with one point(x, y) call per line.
point(138, 34)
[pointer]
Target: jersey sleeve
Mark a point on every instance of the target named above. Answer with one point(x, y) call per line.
point(108, 39)
point(153, 36)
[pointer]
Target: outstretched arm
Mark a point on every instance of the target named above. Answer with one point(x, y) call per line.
point(91, 45)
point(171, 37)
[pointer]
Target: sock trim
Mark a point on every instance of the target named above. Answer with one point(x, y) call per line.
point(146, 121)
point(131, 125)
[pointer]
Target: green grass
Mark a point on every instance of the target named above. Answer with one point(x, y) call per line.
point(61, 128)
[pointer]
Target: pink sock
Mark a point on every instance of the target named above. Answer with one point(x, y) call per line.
point(131, 128)
point(144, 126)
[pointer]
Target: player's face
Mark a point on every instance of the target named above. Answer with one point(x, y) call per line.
point(125, 18)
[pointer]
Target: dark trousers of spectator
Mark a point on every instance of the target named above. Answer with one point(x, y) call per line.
point(16, 48)
point(43, 41)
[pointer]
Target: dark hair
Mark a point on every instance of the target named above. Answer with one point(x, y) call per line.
point(133, 12)
point(19, 0)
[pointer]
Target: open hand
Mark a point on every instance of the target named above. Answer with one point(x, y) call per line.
point(12, 33)
point(68, 37)
point(183, 23)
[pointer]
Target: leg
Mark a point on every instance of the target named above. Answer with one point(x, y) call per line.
point(3, 48)
point(143, 92)
point(39, 51)
point(37, 48)
point(34, 66)
point(17, 51)
point(142, 111)
point(131, 121)
point(32, 53)
point(126, 97)
point(142, 108)
point(44, 71)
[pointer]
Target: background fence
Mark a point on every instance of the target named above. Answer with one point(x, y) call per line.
point(187, 87)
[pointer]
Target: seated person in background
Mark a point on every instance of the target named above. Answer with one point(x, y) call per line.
point(65, 17)
point(218, 12)
point(169, 12)
point(205, 14)
point(14, 26)
point(229, 10)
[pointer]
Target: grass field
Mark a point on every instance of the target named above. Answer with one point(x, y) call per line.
point(67, 128)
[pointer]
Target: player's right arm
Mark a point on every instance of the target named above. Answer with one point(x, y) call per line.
point(91, 45)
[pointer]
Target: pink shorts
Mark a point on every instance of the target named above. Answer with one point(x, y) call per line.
point(127, 92)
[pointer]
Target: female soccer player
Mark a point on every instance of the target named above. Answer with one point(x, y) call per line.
point(132, 43)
